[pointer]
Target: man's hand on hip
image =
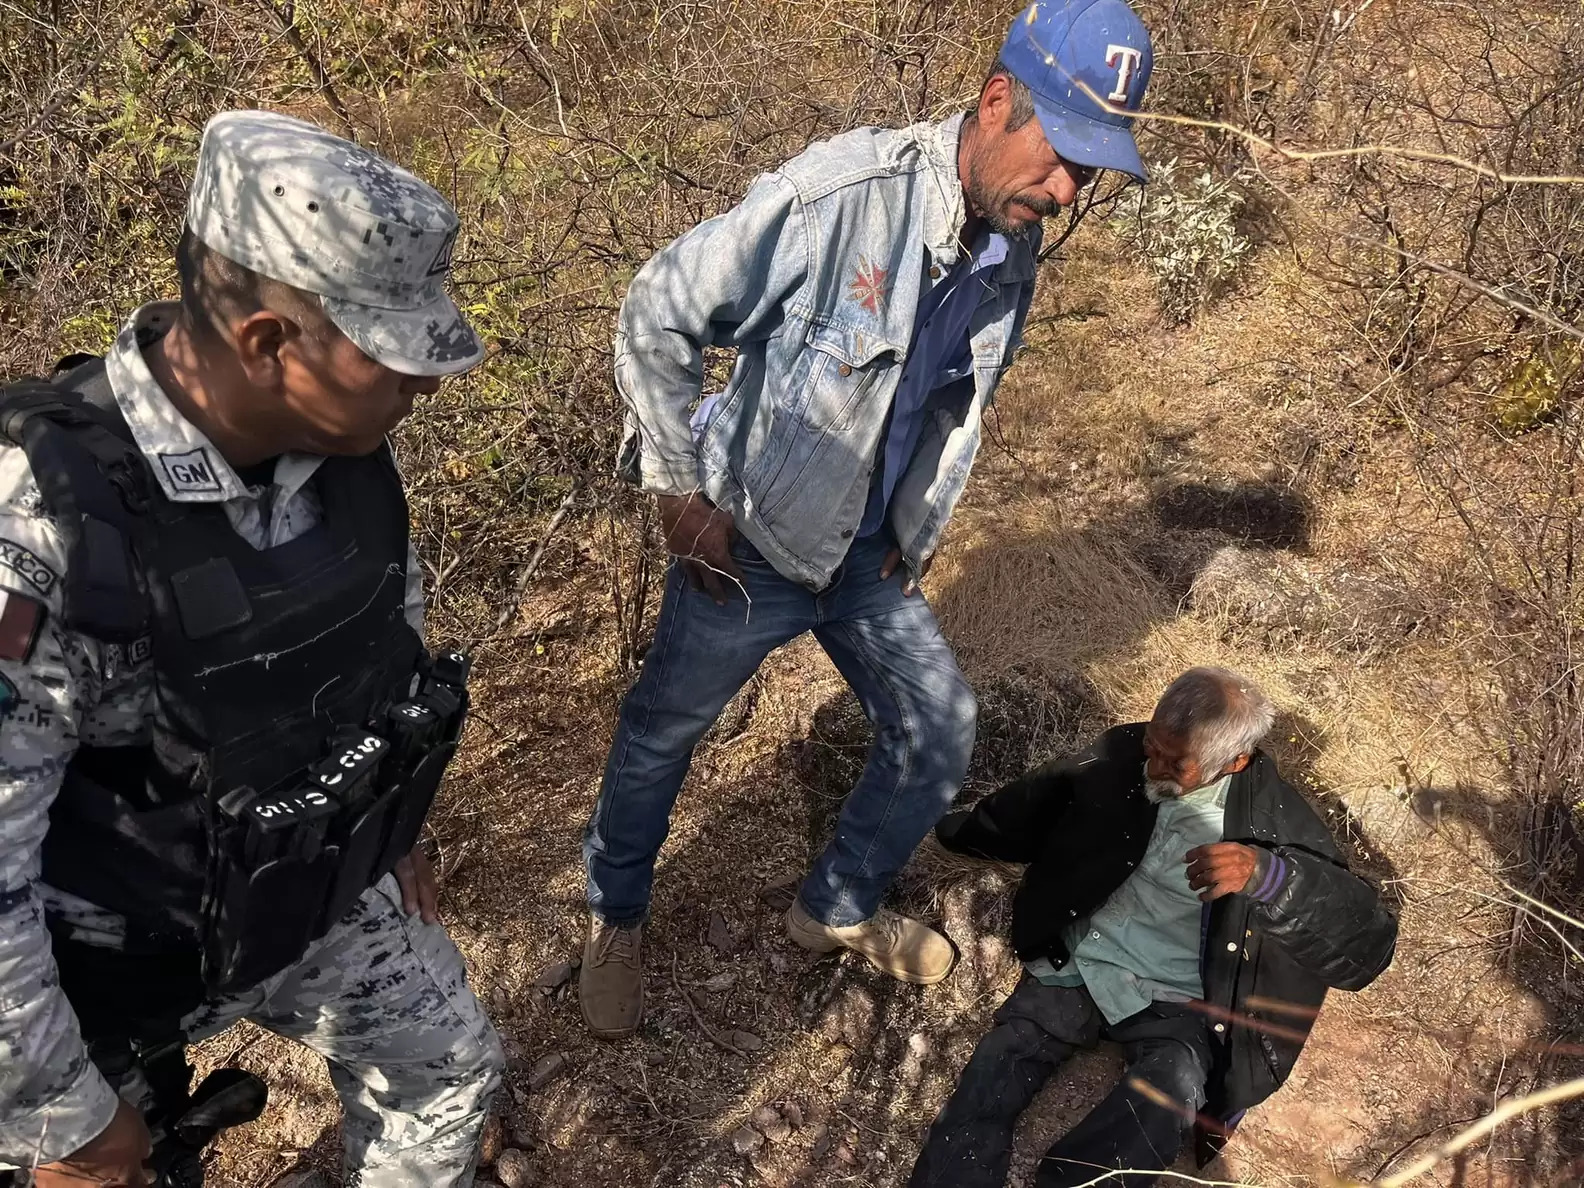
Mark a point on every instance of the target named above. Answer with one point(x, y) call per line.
point(115, 1159)
point(910, 584)
point(700, 536)
point(1221, 869)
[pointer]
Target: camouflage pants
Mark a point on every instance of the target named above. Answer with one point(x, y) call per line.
point(382, 997)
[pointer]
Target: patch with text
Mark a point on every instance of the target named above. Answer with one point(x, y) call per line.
point(191, 473)
point(34, 572)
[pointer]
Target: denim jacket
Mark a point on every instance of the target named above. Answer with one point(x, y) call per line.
point(815, 279)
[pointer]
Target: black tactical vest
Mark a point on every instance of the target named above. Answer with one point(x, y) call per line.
point(298, 732)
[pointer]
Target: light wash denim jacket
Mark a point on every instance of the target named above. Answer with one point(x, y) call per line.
point(815, 279)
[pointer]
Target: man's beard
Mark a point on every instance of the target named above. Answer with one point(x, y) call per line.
point(1156, 791)
point(992, 206)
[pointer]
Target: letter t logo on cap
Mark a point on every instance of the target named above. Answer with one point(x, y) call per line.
point(1124, 59)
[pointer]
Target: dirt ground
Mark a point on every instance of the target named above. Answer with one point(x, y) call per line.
point(1070, 585)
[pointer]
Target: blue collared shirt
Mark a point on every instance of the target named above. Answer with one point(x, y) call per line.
point(939, 355)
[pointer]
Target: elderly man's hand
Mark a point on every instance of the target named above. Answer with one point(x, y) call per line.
point(1221, 869)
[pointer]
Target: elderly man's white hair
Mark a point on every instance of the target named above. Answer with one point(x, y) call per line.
point(1220, 714)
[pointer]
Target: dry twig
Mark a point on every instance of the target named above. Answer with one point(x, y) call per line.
point(698, 1018)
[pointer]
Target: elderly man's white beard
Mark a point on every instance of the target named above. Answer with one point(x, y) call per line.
point(1156, 791)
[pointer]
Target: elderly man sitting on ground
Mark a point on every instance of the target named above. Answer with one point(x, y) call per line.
point(1180, 899)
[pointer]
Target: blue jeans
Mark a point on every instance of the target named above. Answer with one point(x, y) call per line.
point(892, 653)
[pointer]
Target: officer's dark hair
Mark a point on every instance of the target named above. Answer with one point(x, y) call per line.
point(216, 290)
point(1022, 97)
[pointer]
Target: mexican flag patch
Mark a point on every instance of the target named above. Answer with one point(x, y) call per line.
point(21, 619)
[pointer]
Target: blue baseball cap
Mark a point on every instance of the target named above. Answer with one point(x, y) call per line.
point(1053, 46)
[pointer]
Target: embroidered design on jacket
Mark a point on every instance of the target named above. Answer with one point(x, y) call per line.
point(868, 286)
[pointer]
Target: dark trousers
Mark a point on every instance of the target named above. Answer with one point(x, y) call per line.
point(1167, 1046)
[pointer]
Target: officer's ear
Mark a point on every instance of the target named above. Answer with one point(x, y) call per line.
point(259, 339)
point(1237, 764)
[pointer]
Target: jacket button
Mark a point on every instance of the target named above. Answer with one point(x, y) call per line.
point(1220, 1027)
point(844, 370)
point(934, 272)
point(1231, 946)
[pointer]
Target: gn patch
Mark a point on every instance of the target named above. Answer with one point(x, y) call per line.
point(22, 561)
point(191, 473)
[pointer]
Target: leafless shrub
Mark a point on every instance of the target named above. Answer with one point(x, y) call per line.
point(1463, 292)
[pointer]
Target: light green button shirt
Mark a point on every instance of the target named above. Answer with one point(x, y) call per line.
point(1142, 945)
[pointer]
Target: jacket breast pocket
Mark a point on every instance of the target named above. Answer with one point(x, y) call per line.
point(841, 371)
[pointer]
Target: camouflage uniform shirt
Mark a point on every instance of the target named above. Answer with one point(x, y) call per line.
point(72, 689)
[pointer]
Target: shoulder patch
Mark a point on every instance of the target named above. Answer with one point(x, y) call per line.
point(8, 695)
point(191, 471)
point(22, 561)
point(21, 619)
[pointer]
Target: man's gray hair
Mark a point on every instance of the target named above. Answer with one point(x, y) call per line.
point(1220, 714)
point(1022, 98)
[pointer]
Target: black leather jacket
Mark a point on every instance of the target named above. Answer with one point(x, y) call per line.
point(1082, 823)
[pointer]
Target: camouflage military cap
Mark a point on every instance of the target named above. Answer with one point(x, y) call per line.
point(286, 199)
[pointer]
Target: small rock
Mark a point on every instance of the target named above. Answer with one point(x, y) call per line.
point(514, 1169)
point(554, 977)
point(493, 1140)
point(302, 1179)
point(822, 1141)
point(547, 1070)
point(746, 1139)
point(777, 1129)
point(501, 1002)
point(522, 1134)
point(721, 938)
point(747, 1041)
point(845, 1154)
point(655, 1059)
point(852, 1018)
point(721, 982)
point(793, 1113)
point(765, 1114)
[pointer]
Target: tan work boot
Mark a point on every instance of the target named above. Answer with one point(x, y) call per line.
point(893, 944)
point(610, 985)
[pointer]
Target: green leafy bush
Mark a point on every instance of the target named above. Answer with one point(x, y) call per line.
point(1185, 227)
